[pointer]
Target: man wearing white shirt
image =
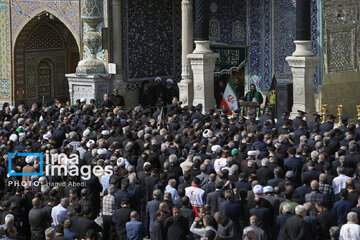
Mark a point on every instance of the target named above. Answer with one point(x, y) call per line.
point(340, 181)
point(350, 230)
point(59, 211)
point(219, 164)
point(170, 188)
point(196, 195)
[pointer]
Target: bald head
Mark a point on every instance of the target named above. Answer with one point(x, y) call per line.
point(36, 202)
point(133, 215)
point(314, 185)
point(253, 220)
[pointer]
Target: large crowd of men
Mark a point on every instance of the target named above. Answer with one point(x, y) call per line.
point(176, 174)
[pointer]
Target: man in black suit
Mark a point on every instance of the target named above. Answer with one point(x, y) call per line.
point(328, 125)
point(151, 209)
point(295, 227)
point(214, 198)
point(158, 228)
point(298, 118)
point(120, 218)
point(281, 220)
point(264, 174)
point(150, 182)
point(186, 210)
point(83, 224)
point(278, 173)
point(176, 226)
point(264, 216)
point(325, 220)
point(294, 164)
point(124, 193)
point(94, 188)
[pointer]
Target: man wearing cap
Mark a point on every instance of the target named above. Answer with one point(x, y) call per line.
point(301, 131)
point(344, 121)
point(29, 168)
point(316, 123)
point(117, 99)
point(298, 118)
point(329, 124)
point(266, 117)
point(280, 121)
point(274, 201)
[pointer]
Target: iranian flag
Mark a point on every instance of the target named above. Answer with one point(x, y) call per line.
point(229, 100)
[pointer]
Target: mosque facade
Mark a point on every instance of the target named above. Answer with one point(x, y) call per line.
point(42, 43)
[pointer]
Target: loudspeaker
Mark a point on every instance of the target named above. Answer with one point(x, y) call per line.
point(284, 98)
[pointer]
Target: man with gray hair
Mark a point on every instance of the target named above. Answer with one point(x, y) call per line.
point(281, 219)
point(295, 227)
point(9, 221)
point(264, 173)
point(258, 233)
point(203, 176)
point(49, 233)
point(171, 188)
point(339, 182)
point(350, 230)
point(225, 229)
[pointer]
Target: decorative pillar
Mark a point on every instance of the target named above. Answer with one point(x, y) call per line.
point(91, 80)
point(203, 59)
point(118, 79)
point(303, 61)
point(92, 14)
point(187, 42)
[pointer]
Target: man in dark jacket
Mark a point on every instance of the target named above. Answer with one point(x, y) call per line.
point(120, 218)
point(158, 229)
point(281, 220)
point(325, 220)
point(176, 226)
point(117, 99)
point(295, 227)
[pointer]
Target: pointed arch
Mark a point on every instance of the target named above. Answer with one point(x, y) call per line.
point(57, 40)
point(40, 11)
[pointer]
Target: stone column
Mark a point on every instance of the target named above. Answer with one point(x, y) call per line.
point(303, 61)
point(118, 79)
point(203, 59)
point(92, 15)
point(187, 42)
point(91, 79)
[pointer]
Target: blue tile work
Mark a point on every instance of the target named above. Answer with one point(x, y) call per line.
point(316, 31)
point(152, 39)
point(254, 38)
point(284, 21)
point(259, 37)
point(228, 13)
point(284, 34)
point(267, 45)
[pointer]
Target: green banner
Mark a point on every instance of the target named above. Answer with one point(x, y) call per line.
point(232, 58)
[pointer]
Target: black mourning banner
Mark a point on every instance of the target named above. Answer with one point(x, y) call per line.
point(303, 18)
point(201, 26)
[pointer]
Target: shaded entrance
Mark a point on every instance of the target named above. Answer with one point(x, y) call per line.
point(44, 52)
